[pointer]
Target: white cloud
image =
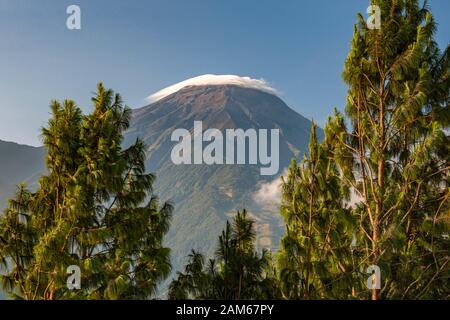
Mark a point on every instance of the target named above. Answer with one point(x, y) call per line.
point(212, 79)
point(354, 200)
point(268, 194)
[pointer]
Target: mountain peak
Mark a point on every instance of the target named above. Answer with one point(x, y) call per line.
point(214, 80)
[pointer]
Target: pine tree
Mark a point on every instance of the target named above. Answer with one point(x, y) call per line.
point(394, 155)
point(238, 272)
point(315, 251)
point(93, 209)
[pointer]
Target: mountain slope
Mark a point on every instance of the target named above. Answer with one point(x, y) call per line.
point(18, 163)
point(205, 196)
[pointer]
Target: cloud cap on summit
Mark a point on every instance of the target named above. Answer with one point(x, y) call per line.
point(211, 80)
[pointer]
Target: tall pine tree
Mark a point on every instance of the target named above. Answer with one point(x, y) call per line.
point(238, 271)
point(394, 155)
point(315, 251)
point(93, 209)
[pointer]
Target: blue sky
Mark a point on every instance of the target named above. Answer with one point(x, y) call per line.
point(138, 47)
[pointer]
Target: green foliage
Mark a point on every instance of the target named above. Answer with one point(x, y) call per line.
point(395, 155)
point(94, 209)
point(394, 159)
point(315, 251)
point(238, 272)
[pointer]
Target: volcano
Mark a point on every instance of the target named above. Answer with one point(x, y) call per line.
point(205, 196)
